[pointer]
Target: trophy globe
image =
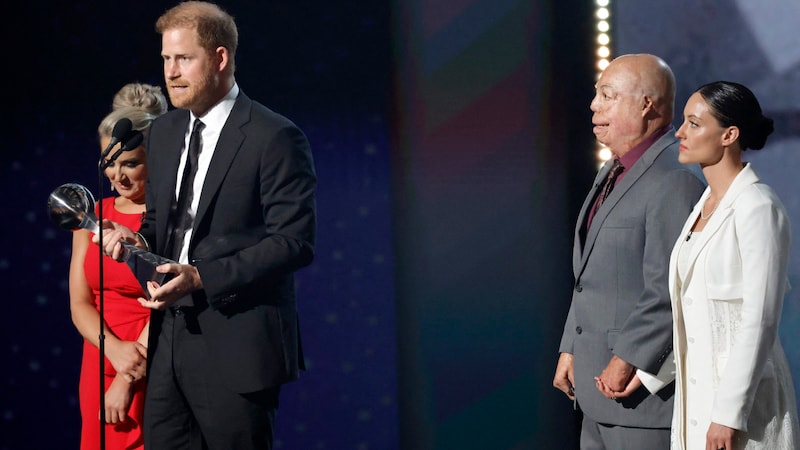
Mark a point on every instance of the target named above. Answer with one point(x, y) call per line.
point(71, 207)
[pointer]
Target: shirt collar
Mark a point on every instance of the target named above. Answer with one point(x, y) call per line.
point(630, 158)
point(216, 116)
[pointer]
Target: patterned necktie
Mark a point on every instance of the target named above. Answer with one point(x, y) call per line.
point(611, 180)
point(181, 217)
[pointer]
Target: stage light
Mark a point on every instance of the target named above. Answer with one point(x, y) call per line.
point(604, 56)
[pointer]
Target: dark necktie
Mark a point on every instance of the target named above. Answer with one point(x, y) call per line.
point(611, 180)
point(181, 217)
point(605, 190)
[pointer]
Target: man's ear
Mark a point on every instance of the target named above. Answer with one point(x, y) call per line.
point(223, 58)
point(648, 106)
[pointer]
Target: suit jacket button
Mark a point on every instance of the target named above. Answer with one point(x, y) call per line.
point(579, 288)
point(578, 330)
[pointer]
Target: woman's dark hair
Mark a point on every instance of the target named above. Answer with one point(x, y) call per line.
point(733, 104)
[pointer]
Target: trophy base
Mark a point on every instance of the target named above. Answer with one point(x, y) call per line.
point(143, 265)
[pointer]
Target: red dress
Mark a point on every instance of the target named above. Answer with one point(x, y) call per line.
point(126, 318)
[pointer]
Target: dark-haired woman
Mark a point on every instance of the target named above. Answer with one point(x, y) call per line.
point(728, 277)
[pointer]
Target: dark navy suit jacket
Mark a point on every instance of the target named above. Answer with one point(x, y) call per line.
point(255, 226)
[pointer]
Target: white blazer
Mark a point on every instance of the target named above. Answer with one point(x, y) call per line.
point(730, 366)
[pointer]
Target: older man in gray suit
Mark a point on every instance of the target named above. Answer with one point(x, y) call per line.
point(618, 333)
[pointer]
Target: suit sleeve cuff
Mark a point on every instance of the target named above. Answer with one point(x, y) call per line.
point(665, 375)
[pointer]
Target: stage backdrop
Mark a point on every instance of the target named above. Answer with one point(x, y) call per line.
point(452, 142)
point(493, 102)
point(753, 43)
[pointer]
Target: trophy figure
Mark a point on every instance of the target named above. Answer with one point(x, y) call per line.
point(71, 207)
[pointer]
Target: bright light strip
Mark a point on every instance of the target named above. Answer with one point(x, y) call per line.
point(603, 55)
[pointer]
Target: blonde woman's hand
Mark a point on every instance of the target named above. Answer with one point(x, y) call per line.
point(118, 399)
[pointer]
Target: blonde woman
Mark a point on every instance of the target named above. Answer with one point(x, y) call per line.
point(126, 322)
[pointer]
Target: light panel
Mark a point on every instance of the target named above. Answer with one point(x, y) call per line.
point(603, 55)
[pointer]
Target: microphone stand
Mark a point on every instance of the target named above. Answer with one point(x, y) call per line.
point(128, 140)
point(131, 141)
point(121, 129)
point(101, 341)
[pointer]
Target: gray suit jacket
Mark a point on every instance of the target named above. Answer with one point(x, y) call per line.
point(620, 301)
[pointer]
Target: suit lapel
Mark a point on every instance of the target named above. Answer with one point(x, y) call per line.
point(712, 227)
point(173, 145)
point(745, 178)
point(580, 228)
point(687, 226)
point(230, 140)
point(631, 177)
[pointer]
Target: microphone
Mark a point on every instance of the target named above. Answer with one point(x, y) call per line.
point(135, 140)
point(121, 132)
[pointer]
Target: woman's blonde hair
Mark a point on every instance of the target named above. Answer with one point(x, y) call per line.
point(139, 102)
point(141, 95)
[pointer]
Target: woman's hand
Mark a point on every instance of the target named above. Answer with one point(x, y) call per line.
point(118, 400)
point(719, 437)
point(129, 359)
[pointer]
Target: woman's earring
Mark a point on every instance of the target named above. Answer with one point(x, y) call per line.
point(112, 188)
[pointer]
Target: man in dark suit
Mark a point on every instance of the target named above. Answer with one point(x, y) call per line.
point(616, 348)
point(232, 202)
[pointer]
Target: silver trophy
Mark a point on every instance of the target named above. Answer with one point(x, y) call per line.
point(71, 207)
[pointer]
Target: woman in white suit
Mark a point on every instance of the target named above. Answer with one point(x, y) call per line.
point(728, 277)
